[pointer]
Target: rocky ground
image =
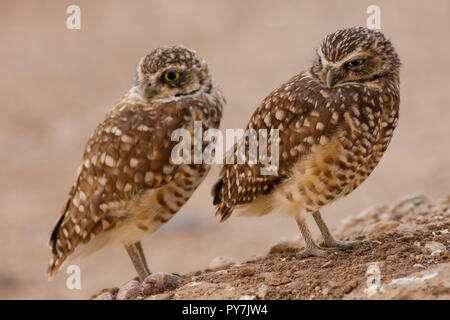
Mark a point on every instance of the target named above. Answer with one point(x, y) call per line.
point(402, 252)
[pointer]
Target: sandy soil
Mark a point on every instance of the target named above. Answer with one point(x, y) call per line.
point(402, 252)
point(57, 84)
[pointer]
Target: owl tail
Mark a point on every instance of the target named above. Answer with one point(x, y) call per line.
point(216, 192)
point(54, 266)
point(223, 210)
point(57, 259)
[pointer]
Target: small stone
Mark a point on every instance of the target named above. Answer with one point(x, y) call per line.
point(327, 264)
point(104, 296)
point(260, 295)
point(436, 253)
point(247, 297)
point(352, 284)
point(262, 291)
point(283, 248)
point(276, 281)
point(161, 296)
point(419, 258)
point(130, 290)
point(221, 272)
point(247, 272)
point(418, 265)
point(160, 282)
point(221, 262)
point(263, 288)
point(433, 246)
point(384, 226)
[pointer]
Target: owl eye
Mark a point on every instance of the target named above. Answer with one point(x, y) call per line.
point(355, 63)
point(171, 75)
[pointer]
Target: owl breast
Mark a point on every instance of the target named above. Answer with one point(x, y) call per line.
point(147, 210)
point(153, 208)
point(335, 169)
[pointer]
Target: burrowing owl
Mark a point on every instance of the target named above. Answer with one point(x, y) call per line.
point(335, 121)
point(128, 184)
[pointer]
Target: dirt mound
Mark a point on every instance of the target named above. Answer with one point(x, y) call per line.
point(402, 253)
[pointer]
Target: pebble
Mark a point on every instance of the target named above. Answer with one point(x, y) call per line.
point(350, 286)
point(162, 296)
point(283, 248)
point(160, 282)
point(433, 246)
point(419, 258)
point(221, 262)
point(262, 291)
point(327, 264)
point(263, 288)
point(104, 296)
point(247, 272)
point(130, 290)
point(436, 253)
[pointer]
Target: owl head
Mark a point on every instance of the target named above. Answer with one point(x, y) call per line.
point(355, 55)
point(172, 72)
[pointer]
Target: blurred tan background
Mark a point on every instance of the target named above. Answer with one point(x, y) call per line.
point(57, 84)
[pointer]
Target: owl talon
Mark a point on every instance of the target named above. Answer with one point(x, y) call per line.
point(312, 251)
point(338, 245)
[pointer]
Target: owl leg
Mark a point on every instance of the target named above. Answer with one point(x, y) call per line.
point(137, 256)
point(311, 249)
point(328, 240)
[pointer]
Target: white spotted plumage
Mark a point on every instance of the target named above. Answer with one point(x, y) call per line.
point(127, 185)
point(335, 121)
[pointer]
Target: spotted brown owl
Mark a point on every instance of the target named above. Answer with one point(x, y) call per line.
point(334, 120)
point(128, 183)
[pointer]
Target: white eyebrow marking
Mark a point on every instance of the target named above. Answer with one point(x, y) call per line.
point(348, 57)
point(351, 56)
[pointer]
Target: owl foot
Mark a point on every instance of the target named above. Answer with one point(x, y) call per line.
point(333, 244)
point(312, 251)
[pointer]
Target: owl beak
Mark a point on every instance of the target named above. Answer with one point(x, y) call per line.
point(331, 78)
point(149, 91)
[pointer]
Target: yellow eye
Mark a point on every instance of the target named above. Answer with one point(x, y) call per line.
point(355, 63)
point(171, 76)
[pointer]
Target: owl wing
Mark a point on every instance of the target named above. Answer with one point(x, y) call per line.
point(305, 115)
point(128, 153)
